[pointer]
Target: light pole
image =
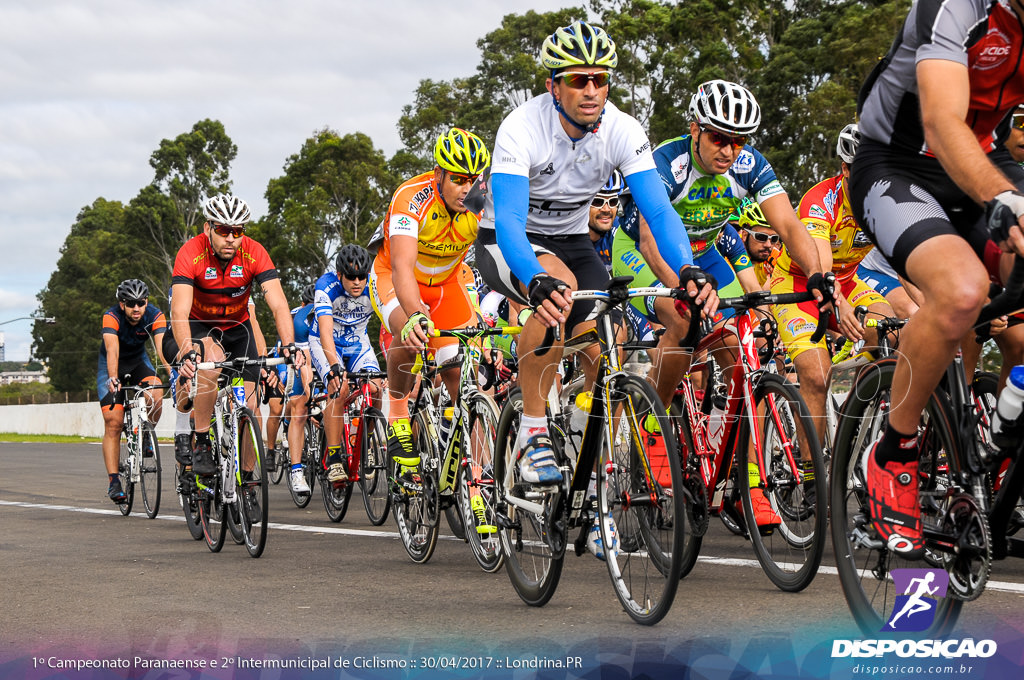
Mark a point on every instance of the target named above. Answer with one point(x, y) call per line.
point(44, 319)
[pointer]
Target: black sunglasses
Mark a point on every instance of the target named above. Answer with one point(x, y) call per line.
point(135, 303)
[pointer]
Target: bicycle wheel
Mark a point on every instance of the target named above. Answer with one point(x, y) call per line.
point(253, 487)
point(373, 467)
point(211, 515)
point(312, 455)
point(185, 485)
point(790, 553)
point(698, 512)
point(475, 484)
point(336, 496)
point(124, 471)
point(864, 563)
point(418, 510)
point(149, 472)
point(281, 462)
point(232, 518)
point(534, 549)
point(639, 475)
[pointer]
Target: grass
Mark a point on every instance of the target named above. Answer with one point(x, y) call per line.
point(48, 438)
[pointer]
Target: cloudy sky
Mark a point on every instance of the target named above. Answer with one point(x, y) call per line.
point(91, 87)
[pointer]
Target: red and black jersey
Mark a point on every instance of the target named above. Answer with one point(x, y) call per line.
point(221, 290)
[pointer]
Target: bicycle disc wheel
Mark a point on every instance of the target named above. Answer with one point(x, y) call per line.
point(864, 563)
point(253, 486)
point(124, 471)
point(373, 467)
point(533, 566)
point(312, 455)
point(475, 484)
point(187, 499)
point(789, 552)
point(418, 511)
point(639, 475)
point(149, 472)
point(697, 511)
point(211, 516)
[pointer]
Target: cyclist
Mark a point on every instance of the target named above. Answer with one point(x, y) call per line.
point(211, 283)
point(825, 209)
point(342, 308)
point(123, 362)
point(297, 382)
point(419, 277)
point(929, 167)
point(604, 218)
point(552, 155)
point(759, 239)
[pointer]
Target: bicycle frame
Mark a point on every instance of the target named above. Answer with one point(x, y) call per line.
point(356, 402)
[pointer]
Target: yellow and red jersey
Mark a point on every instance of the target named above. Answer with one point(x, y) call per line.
point(825, 210)
point(441, 238)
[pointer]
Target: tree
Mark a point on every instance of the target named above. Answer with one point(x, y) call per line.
point(93, 262)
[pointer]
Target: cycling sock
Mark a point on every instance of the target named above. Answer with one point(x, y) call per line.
point(202, 436)
point(333, 451)
point(530, 426)
point(113, 476)
point(896, 446)
point(296, 466)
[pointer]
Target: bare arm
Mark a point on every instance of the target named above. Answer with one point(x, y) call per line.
point(407, 290)
point(181, 305)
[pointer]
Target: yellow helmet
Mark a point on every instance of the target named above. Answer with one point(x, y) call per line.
point(752, 216)
point(578, 44)
point(460, 151)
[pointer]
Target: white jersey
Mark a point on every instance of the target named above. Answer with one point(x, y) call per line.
point(564, 174)
point(876, 260)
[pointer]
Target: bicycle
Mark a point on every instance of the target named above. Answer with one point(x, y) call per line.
point(314, 447)
point(139, 457)
point(763, 422)
point(364, 450)
point(639, 482)
point(448, 481)
point(238, 493)
point(965, 525)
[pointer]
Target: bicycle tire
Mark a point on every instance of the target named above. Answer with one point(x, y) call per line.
point(476, 481)
point(532, 566)
point(863, 562)
point(418, 514)
point(188, 502)
point(281, 463)
point(695, 515)
point(125, 473)
point(638, 473)
point(311, 440)
point(252, 492)
point(373, 466)
point(211, 516)
point(232, 518)
point(149, 473)
point(336, 497)
point(791, 553)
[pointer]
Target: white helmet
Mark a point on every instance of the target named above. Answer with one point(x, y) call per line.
point(226, 209)
point(726, 106)
point(846, 147)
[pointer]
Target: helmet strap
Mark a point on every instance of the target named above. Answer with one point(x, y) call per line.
point(440, 194)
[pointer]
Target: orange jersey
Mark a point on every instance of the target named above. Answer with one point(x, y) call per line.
point(441, 239)
point(825, 210)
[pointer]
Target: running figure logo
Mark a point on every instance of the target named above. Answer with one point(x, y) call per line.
point(921, 590)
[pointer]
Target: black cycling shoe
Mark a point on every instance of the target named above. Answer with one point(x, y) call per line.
point(271, 462)
point(202, 459)
point(183, 449)
point(116, 493)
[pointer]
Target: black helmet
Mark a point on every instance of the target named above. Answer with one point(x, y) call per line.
point(307, 293)
point(132, 289)
point(353, 261)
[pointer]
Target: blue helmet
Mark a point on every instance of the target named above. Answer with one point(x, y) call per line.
point(614, 185)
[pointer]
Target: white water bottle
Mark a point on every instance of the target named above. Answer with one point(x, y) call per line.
point(578, 414)
point(1008, 409)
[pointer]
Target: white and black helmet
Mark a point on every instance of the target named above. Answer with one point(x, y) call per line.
point(226, 209)
point(846, 147)
point(726, 106)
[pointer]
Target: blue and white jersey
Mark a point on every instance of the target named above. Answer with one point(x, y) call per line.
point(705, 202)
point(351, 314)
point(302, 318)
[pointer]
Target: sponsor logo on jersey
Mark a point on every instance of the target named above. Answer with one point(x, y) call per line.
point(861, 240)
point(422, 195)
point(680, 165)
point(642, 149)
point(236, 271)
point(508, 159)
point(584, 157)
point(817, 211)
point(700, 193)
point(403, 221)
point(211, 273)
point(830, 200)
point(744, 162)
point(550, 170)
point(992, 50)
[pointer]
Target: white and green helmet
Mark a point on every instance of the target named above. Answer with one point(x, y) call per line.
point(578, 44)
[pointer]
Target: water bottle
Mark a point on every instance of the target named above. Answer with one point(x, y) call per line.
point(579, 412)
point(1006, 422)
point(445, 426)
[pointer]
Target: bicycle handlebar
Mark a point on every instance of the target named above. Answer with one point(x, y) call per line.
point(1007, 302)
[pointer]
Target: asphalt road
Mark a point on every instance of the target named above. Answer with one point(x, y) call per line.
point(82, 582)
